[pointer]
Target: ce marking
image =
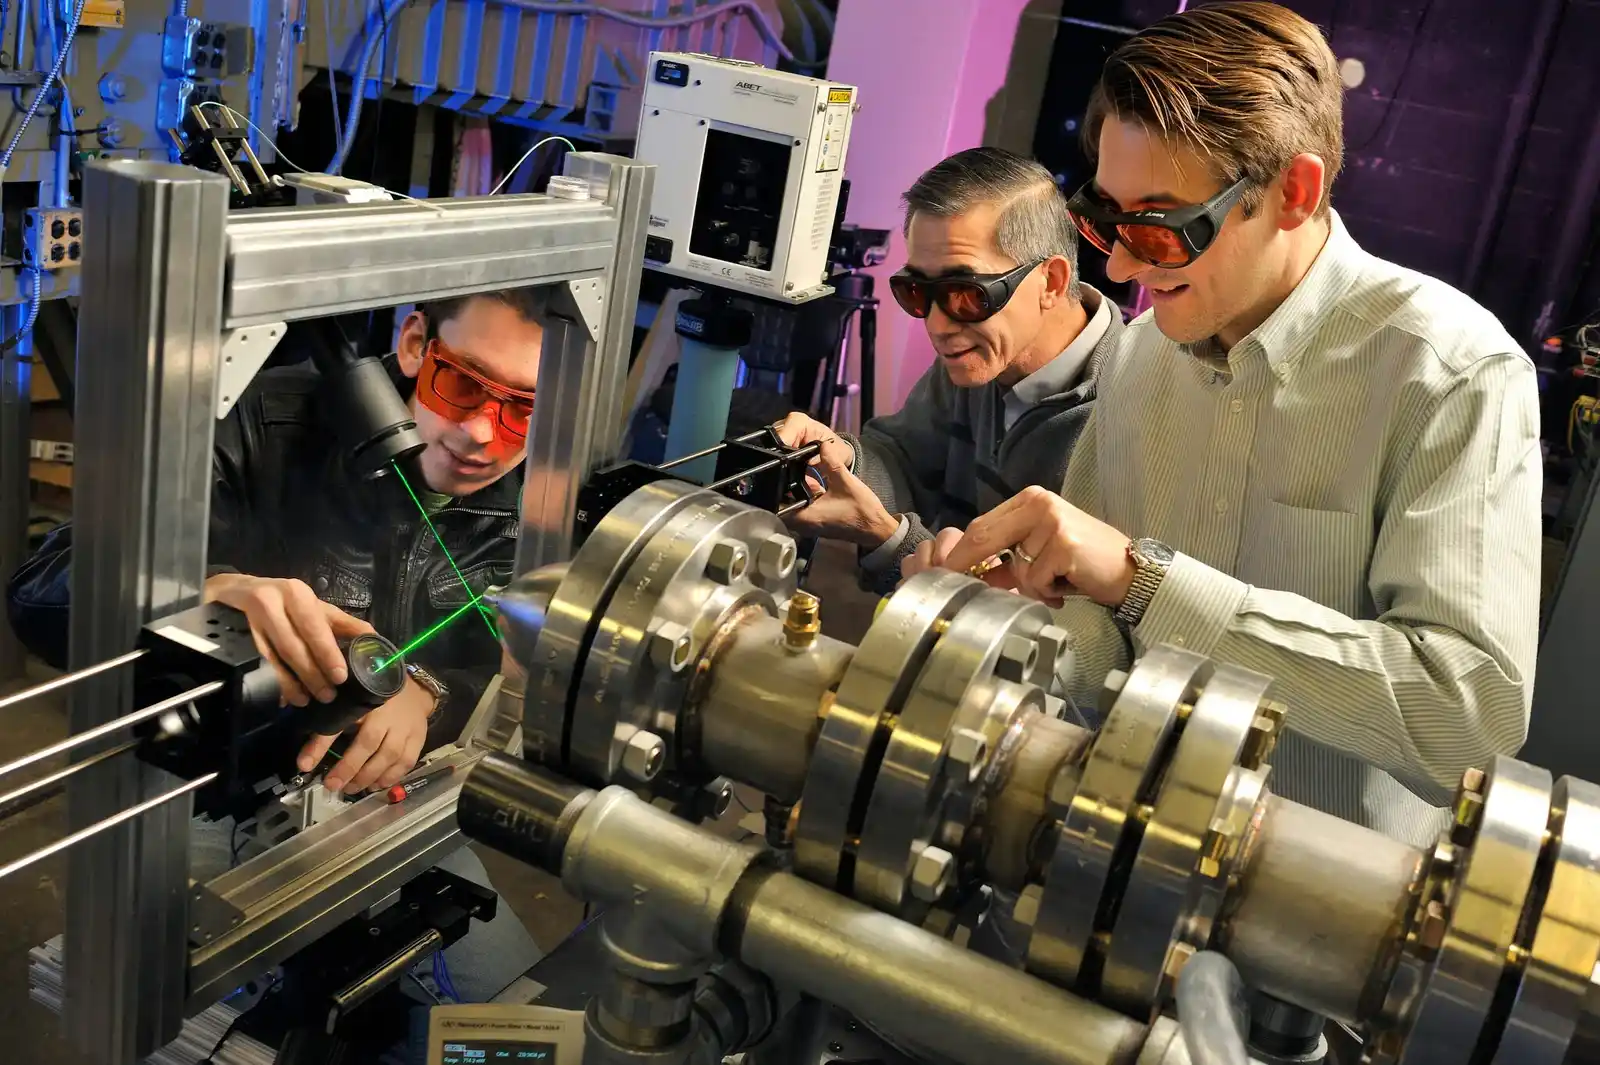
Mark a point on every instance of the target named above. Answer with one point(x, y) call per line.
point(727, 271)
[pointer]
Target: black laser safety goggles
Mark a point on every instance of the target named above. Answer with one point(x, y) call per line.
point(969, 298)
point(1168, 237)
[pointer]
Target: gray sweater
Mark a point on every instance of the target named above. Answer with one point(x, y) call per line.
point(946, 456)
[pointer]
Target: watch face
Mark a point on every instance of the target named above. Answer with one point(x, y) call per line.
point(1154, 550)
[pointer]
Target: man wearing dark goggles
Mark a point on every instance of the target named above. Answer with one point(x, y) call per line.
point(1309, 461)
point(1019, 345)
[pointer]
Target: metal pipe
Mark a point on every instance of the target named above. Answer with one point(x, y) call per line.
point(57, 683)
point(100, 826)
point(1043, 775)
point(1319, 910)
point(520, 810)
point(915, 987)
point(48, 787)
point(1212, 1010)
point(156, 709)
point(757, 732)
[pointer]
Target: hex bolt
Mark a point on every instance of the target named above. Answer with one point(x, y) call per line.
point(719, 795)
point(1473, 779)
point(775, 558)
point(642, 757)
point(931, 873)
point(1026, 911)
point(727, 562)
point(1017, 657)
point(669, 646)
point(802, 621)
point(969, 749)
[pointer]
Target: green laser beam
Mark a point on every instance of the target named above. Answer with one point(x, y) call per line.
point(418, 641)
point(483, 611)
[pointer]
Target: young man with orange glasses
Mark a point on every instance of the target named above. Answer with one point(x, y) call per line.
point(312, 554)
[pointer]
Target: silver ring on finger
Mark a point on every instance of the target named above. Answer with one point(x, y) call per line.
point(1022, 556)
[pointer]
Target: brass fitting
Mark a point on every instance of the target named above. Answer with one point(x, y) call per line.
point(802, 622)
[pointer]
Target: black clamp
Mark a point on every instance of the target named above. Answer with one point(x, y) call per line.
point(757, 468)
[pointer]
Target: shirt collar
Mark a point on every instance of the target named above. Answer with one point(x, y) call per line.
point(1061, 373)
point(1286, 332)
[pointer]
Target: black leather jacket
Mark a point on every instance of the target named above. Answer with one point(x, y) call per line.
point(282, 505)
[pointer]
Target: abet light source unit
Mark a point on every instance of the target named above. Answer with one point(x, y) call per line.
point(749, 168)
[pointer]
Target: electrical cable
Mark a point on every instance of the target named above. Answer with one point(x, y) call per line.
point(333, 70)
point(369, 40)
point(518, 164)
point(44, 86)
point(383, 80)
point(35, 298)
point(352, 118)
point(1399, 84)
point(296, 167)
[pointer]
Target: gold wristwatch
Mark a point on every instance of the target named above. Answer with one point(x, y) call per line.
point(1151, 560)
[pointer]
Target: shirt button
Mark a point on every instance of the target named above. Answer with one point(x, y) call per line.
point(1177, 641)
point(1221, 505)
point(320, 584)
point(1236, 406)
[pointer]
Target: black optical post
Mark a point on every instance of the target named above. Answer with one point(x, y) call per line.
point(376, 429)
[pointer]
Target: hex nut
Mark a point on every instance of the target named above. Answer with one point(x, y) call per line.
point(1431, 929)
point(969, 749)
point(1181, 953)
point(1026, 910)
point(1473, 779)
point(775, 558)
point(727, 562)
point(719, 796)
point(1110, 690)
point(669, 646)
point(642, 757)
point(1017, 657)
point(931, 873)
point(1055, 644)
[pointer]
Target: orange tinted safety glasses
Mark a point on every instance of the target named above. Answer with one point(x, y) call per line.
point(448, 388)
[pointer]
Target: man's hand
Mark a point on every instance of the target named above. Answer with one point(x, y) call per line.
point(1071, 552)
point(929, 554)
point(385, 748)
point(293, 629)
point(847, 509)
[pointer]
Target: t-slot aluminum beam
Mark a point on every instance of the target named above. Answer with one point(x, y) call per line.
point(168, 274)
point(148, 340)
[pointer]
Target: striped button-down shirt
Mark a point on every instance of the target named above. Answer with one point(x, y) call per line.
point(1353, 492)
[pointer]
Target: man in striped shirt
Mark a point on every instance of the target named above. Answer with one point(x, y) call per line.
point(1306, 461)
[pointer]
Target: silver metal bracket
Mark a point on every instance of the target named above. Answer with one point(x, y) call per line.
point(210, 915)
point(589, 297)
point(244, 351)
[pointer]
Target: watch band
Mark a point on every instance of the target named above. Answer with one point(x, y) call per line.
point(430, 684)
point(1151, 560)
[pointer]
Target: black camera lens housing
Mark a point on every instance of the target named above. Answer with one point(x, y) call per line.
point(376, 673)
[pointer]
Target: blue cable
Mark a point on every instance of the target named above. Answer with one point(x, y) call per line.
point(44, 86)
